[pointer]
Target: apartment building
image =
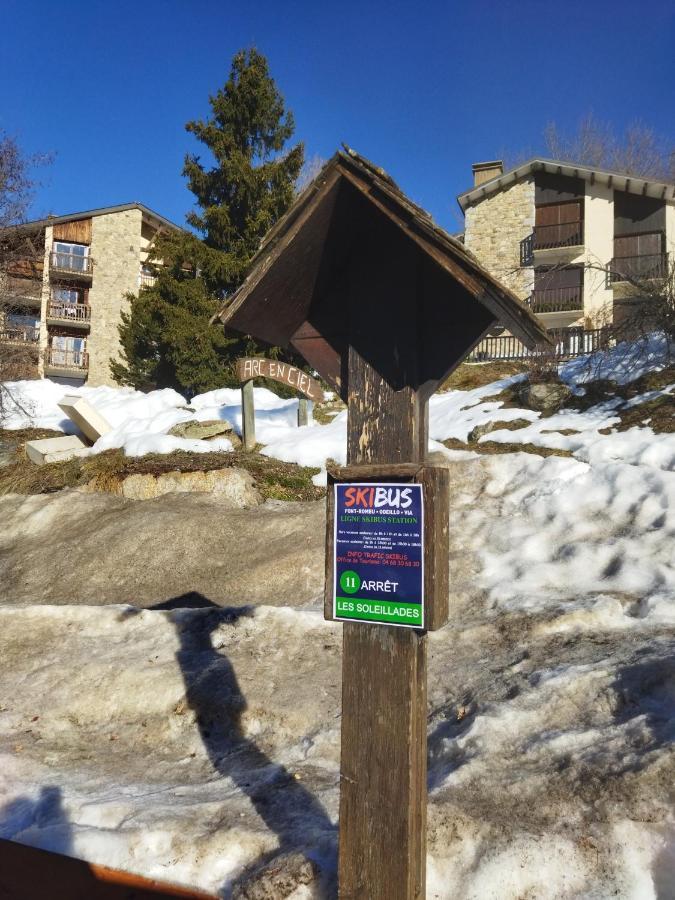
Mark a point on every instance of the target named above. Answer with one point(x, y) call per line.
point(64, 301)
point(569, 240)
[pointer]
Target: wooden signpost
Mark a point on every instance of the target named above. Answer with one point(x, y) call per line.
point(383, 304)
point(251, 367)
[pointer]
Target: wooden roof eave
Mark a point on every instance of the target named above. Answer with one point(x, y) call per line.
point(277, 240)
point(445, 251)
point(465, 269)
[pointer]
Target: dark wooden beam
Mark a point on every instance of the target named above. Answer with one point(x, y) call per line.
point(383, 788)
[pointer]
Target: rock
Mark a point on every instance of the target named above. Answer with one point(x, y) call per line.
point(513, 425)
point(480, 430)
point(233, 438)
point(546, 398)
point(235, 487)
point(201, 431)
point(278, 879)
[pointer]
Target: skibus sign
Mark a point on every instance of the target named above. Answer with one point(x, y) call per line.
point(379, 554)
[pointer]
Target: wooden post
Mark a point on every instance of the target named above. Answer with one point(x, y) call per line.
point(303, 415)
point(247, 416)
point(383, 788)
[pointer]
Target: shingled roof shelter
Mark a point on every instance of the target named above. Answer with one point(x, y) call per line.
point(353, 224)
point(383, 304)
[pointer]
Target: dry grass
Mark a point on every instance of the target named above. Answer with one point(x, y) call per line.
point(274, 479)
point(468, 376)
point(493, 448)
point(325, 412)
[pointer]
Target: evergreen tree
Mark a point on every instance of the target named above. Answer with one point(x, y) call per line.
point(248, 184)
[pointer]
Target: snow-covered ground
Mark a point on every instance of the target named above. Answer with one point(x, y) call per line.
point(190, 744)
point(141, 421)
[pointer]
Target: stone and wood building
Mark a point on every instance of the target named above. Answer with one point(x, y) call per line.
point(63, 301)
point(570, 241)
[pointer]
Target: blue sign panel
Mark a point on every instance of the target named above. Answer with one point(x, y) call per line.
point(379, 554)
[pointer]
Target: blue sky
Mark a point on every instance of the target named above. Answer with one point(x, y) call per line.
point(423, 89)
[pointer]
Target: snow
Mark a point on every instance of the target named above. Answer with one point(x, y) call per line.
point(186, 745)
point(623, 363)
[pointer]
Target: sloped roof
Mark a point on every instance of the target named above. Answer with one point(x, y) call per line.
point(620, 181)
point(102, 211)
point(450, 254)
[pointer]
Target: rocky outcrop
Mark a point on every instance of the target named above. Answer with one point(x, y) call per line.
point(546, 398)
point(202, 431)
point(234, 487)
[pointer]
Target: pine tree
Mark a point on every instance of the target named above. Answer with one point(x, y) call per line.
point(166, 337)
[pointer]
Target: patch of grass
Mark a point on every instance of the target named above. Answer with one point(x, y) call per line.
point(491, 448)
point(274, 479)
point(468, 376)
point(660, 413)
point(21, 435)
point(509, 398)
point(325, 412)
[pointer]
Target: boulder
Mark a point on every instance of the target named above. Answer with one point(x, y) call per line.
point(546, 398)
point(202, 431)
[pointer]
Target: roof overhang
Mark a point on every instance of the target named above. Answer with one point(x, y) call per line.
point(617, 180)
point(148, 214)
point(296, 289)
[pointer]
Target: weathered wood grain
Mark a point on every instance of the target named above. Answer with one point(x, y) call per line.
point(77, 232)
point(383, 788)
point(247, 416)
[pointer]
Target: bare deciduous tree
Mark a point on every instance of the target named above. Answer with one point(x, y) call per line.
point(21, 255)
point(310, 169)
point(638, 151)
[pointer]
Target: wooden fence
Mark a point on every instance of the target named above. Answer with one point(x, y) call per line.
point(569, 342)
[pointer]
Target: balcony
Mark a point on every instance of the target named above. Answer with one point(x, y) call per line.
point(73, 265)
point(74, 315)
point(634, 269)
point(19, 334)
point(146, 279)
point(21, 292)
point(551, 237)
point(66, 363)
point(556, 299)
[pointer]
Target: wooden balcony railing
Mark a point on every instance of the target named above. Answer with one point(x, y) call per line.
point(569, 342)
point(72, 263)
point(67, 359)
point(21, 291)
point(548, 237)
point(69, 312)
point(146, 280)
point(637, 268)
point(19, 334)
point(556, 299)
point(565, 234)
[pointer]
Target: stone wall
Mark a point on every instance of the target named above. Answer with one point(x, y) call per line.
point(494, 228)
point(116, 250)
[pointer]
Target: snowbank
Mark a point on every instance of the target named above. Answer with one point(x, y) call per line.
point(624, 363)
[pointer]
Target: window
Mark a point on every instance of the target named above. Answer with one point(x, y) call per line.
point(18, 320)
point(71, 256)
point(66, 295)
point(67, 350)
